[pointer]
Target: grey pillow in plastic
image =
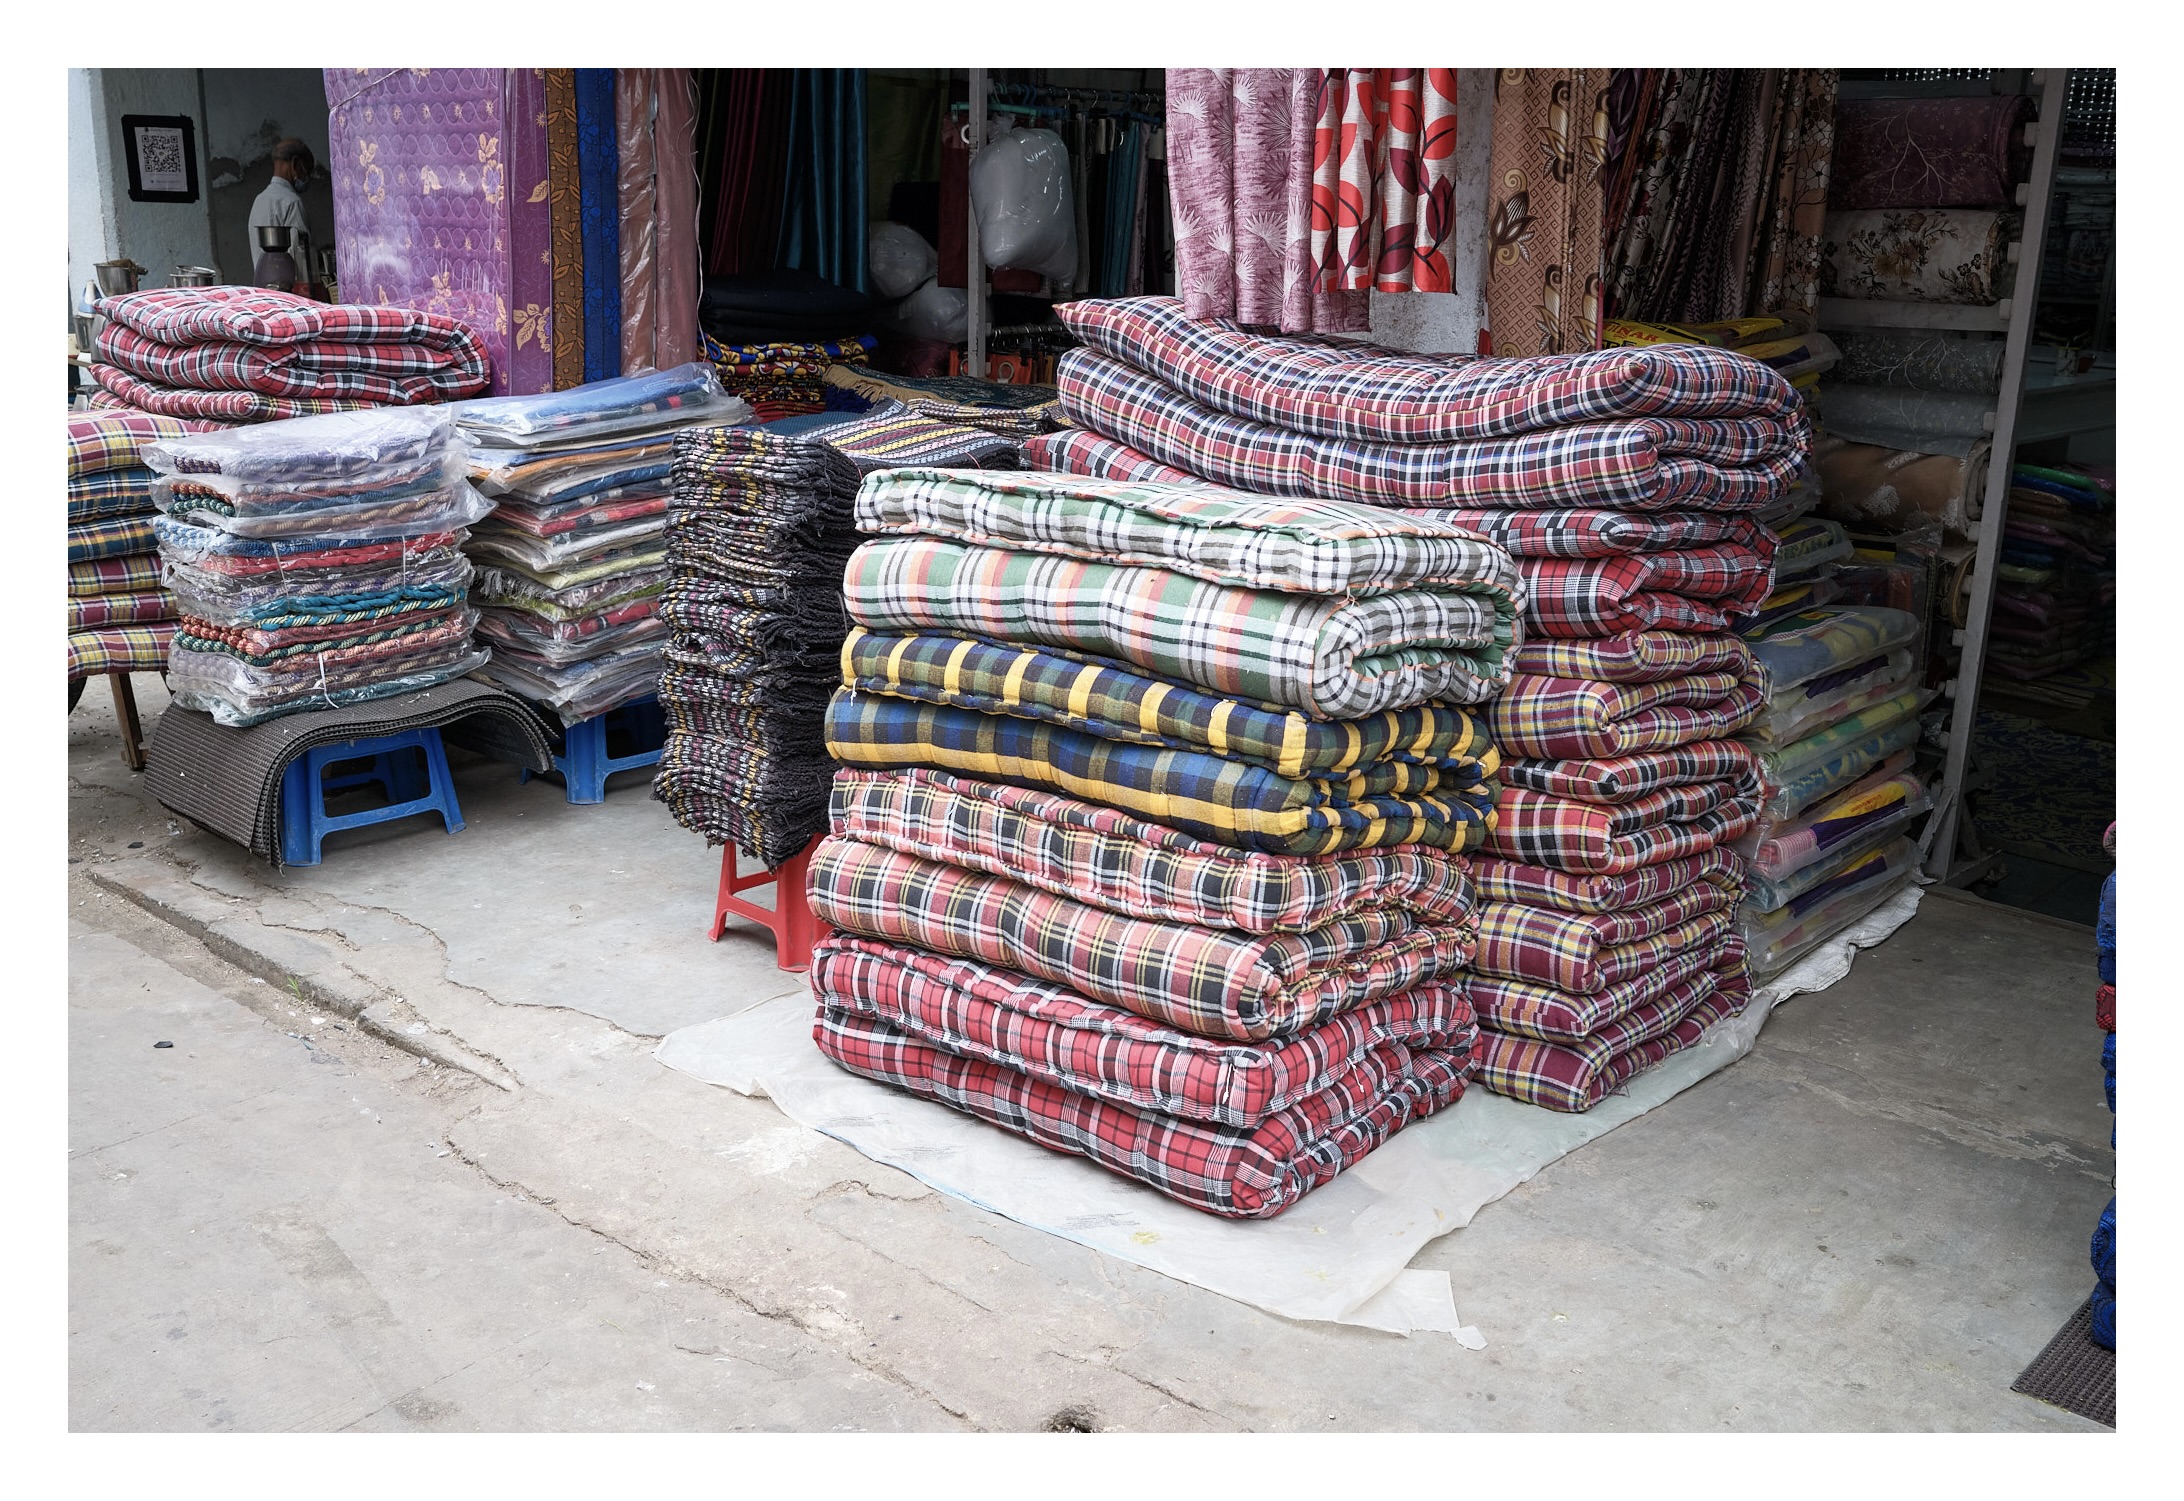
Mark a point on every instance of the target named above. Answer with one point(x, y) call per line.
point(1026, 215)
point(898, 258)
point(935, 312)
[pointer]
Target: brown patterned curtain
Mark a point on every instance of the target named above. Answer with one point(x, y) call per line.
point(1544, 209)
point(565, 228)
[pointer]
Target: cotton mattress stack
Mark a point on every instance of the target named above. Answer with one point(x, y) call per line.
point(120, 619)
point(1835, 741)
point(1150, 840)
point(572, 562)
point(250, 354)
point(1626, 484)
point(315, 561)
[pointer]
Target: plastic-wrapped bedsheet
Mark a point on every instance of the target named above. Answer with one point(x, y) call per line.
point(1775, 940)
point(602, 409)
point(1801, 773)
point(1887, 797)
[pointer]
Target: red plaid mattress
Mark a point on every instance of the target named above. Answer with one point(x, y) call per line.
point(1216, 983)
point(1697, 590)
point(100, 441)
point(1564, 717)
point(229, 406)
point(1612, 838)
point(133, 607)
point(259, 315)
point(1498, 880)
point(1586, 952)
point(1621, 779)
point(1340, 389)
point(1251, 1174)
point(1576, 1077)
point(1524, 1008)
point(1592, 533)
point(105, 402)
point(1640, 463)
point(1074, 450)
point(1635, 657)
point(1106, 858)
point(1026, 1025)
point(388, 374)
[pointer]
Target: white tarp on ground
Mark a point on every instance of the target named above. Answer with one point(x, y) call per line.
point(1341, 1253)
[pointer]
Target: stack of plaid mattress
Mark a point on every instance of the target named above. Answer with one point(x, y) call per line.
point(784, 380)
point(315, 561)
point(250, 354)
point(1836, 741)
point(119, 617)
point(573, 560)
point(1626, 483)
point(1150, 842)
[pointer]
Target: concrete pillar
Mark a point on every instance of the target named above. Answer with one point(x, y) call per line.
point(104, 223)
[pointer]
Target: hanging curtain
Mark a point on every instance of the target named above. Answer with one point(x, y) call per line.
point(1240, 154)
point(530, 236)
point(564, 195)
point(675, 127)
point(1785, 270)
point(597, 174)
point(823, 200)
point(1383, 179)
point(1545, 204)
point(637, 199)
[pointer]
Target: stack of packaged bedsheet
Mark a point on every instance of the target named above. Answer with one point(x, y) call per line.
point(1149, 845)
point(573, 560)
point(250, 354)
point(784, 380)
point(119, 618)
point(2055, 581)
point(1626, 484)
point(1836, 742)
point(316, 561)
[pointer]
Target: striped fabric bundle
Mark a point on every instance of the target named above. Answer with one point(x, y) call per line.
point(1148, 844)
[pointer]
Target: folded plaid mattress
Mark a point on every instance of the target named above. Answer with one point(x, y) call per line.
point(1613, 815)
point(1556, 717)
point(1238, 1131)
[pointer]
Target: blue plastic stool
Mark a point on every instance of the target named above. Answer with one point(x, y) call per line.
point(584, 763)
point(305, 823)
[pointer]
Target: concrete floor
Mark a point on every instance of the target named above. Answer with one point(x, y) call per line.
point(410, 1163)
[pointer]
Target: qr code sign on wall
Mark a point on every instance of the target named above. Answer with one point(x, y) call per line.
point(162, 157)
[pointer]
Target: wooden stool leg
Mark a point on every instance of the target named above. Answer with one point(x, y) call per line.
point(125, 711)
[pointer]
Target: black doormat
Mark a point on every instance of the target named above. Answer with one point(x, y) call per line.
point(2073, 1373)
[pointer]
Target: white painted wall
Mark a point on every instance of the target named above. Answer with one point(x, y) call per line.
point(103, 222)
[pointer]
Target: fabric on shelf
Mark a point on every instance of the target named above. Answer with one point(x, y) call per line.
point(1108, 859)
point(1543, 288)
point(1239, 987)
point(1240, 156)
point(1242, 1174)
point(1930, 153)
point(973, 1010)
point(1945, 255)
point(1919, 362)
point(1647, 463)
point(1333, 657)
point(1117, 704)
point(1926, 421)
point(565, 199)
point(1571, 718)
point(596, 170)
point(1891, 490)
point(1209, 796)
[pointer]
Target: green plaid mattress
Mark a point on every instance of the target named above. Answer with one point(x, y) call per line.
point(1228, 802)
point(1335, 657)
point(1117, 704)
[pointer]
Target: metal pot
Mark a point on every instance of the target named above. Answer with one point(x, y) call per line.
point(273, 236)
point(194, 276)
point(117, 277)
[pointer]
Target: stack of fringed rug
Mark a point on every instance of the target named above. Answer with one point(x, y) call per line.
point(1151, 840)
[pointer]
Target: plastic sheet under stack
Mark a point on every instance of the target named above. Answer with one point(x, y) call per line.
point(572, 562)
point(1340, 1255)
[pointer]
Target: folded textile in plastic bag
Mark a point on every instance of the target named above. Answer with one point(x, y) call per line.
point(237, 694)
point(1240, 986)
point(512, 588)
point(584, 515)
point(545, 476)
point(1335, 657)
point(582, 688)
point(1787, 600)
point(1799, 774)
point(1558, 717)
point(1241, 1173)
point(403, 514)
point(1821, 642)
point(1342, 389)
point(1773, 893)
point(1798, 712)
point(1889, 796)
point(559, 643)
point(1498, 880)
point(573, 549)
point(1635, 463)
point(1581, 952)
point(1778, 938)
point(1576, 1076)
point(1230, 802)
point(1117, 704)
point(591, 413)
point(1807, 545)
point(1107, 859)
point(1529, 1008)
point(357, 448)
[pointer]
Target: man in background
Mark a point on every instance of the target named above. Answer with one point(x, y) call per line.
point(282, 202)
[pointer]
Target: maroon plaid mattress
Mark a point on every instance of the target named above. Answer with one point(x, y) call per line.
point(1215, 982)
point(1593, 838)
point(976, 1011)
point(1239, 1174)
point(1339, 389)
point(1525, 1008)
point(1619, 779)
point(1638, 463)
point(1498, 880)
point(1581, 532)
point(1107, 859)
point(1634, 657)
point(1696, 590)
point(226, 406)
point(1073, 450)
point(259, 315)
point(1557, 718)
point(1576, 1077)
point(386, 374)
point(1587, 952)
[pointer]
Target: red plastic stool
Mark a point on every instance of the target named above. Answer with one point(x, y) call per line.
point(795, 930)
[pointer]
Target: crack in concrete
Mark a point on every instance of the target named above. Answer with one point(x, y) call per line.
point(784, 1314)
point(1152, 1386)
